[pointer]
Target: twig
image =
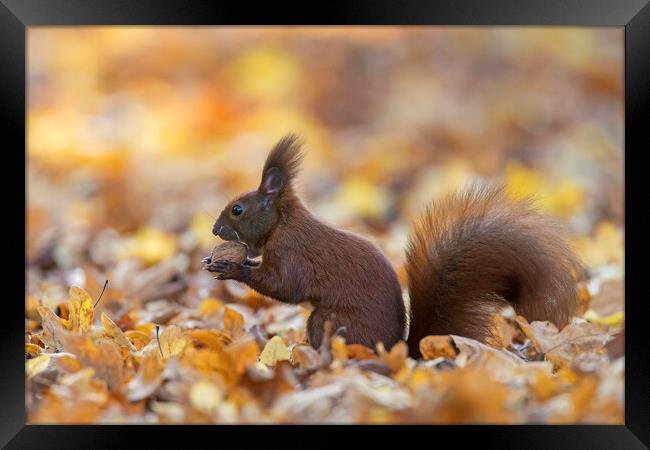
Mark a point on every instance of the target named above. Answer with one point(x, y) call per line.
point(158, 339)
point(101, 293)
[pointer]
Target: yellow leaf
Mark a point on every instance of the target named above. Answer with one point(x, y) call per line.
point(36, 365)
point(360, 352)
point(208, 338)
point(566, 198)
point(210, 306)
point(363, 198)
point(138, 338)
point(116, 333)
point(32, 349)
point(613, 320)
point(275, 350)
point(201, 227)
point(233, 323)
point(522, 181)
point(211, 361)
point(147, 328)
point(81, 310)
point(604, 248)
point(265, 73)
point(396, 357)
point(151, 246)
point(205, 397)
point(433, 347)
point(544, 386)
point(339, 350)
point(243, 353)
point(172, 341)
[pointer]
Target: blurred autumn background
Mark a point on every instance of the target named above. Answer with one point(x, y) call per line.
point(138, 136)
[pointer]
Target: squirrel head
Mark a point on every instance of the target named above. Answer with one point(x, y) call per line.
point(252, 217)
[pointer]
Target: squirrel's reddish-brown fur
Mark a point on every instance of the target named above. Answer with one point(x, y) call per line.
point(469, 255)
point(474, 252)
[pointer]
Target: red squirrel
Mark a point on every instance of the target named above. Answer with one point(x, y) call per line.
point(469, 255)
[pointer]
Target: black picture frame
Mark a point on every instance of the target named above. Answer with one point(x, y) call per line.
point(634, 15)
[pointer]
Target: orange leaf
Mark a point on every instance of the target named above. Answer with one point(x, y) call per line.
point(233, 323)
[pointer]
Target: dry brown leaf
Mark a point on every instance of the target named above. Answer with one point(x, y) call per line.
point(104, 357)
point(54, 330)
point(305, 357)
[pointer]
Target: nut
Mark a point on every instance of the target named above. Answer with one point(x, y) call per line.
point(229, 251)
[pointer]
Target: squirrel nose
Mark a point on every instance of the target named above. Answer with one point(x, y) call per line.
point(217, 232)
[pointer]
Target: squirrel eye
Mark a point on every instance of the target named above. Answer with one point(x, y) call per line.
point(237, 210)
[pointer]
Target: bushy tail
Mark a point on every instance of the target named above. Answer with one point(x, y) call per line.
point(472, 253)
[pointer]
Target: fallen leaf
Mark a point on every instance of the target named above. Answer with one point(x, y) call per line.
point(359, 352)
point(243, 353)
point(339, 349)
point(114, 332)
point(275, 350)
point(81, 310)
point(32, 349)
point(233, 323)
point(53, 328)
point(148, 377)
point(432, 347)
point(172, 341)
point(36, 365)
point(205, 397)
point(208, 338)
point(396, 358)
point(305, 356)
point(211, 361)
point(210, 306)
point(138, 338)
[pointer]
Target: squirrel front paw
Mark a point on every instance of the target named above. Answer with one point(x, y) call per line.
point(227, 270)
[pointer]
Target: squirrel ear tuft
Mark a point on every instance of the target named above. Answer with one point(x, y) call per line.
point(272, 181)
point(282, 164)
